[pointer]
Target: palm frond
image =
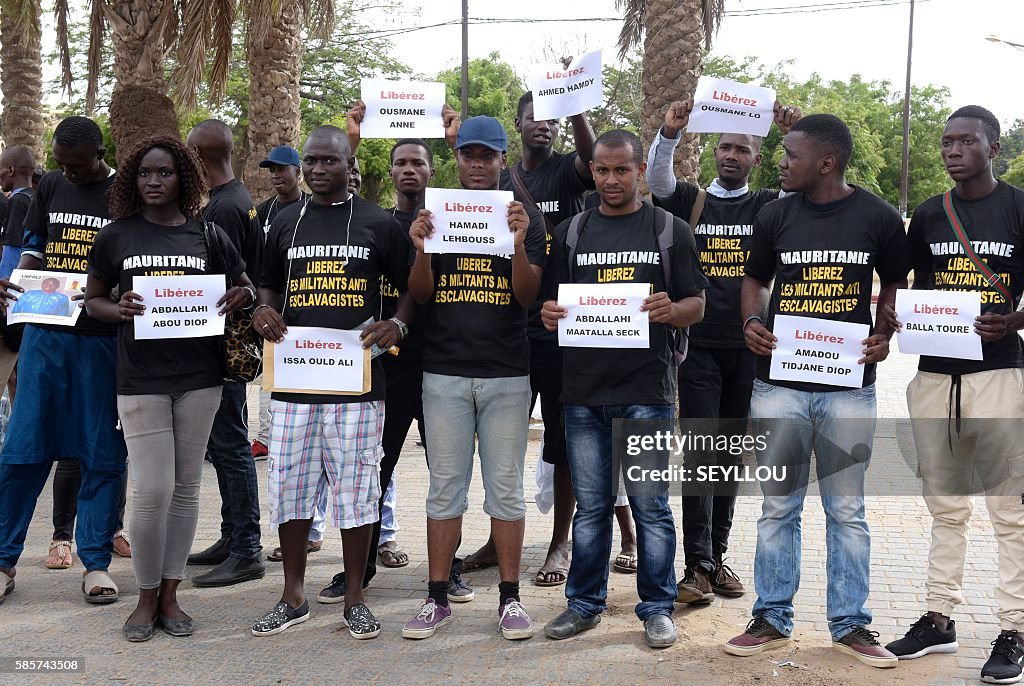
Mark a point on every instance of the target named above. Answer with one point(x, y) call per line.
point(94, 61)
point(711, 19)
point(25, 15)
point(60, 15)
point(173, 11)
point(259, 15)
point(192, 47)
point(223, 20)
point(320, 16)
point(634, 15)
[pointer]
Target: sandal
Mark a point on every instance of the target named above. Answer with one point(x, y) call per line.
point(625, 563)
point(122, 546)
point(311, 547)
point(63, 556)
point(391, 555)
point(98, 578)
point(6, 585)
point(552, 577)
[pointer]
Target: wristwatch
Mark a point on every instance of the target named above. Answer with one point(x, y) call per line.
point(403, 328)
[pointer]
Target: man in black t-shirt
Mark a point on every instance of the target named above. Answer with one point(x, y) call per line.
point(476, 383)
point(554, 184)
point(16, 166)
point(67, 404)
point(821, 245)
point(717, 375)
point(966, 414)
point(237, 552)
point(623, 241)
point(322, 269)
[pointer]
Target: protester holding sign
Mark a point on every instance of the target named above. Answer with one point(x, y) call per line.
point(168, 390)
point(624, 241)
point(475, 383)
point(322, 268)
point(820, 244)
point(967, 412)
point(67, 374)
point(717, 375)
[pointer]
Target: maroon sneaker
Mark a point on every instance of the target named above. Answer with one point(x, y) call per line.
point(724, 581)
point(864, 646)
point(695, 588)
point(758, 637)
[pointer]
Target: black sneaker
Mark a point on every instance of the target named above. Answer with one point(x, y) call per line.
point(458, 590)
point(280, 618)
point(1004, 665)
point(334, 592)
point(924, 638)
point(361, 622)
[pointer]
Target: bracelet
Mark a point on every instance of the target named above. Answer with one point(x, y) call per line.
point(403, 329)
point(751, 318)
point(259, 307)
point(252, 295)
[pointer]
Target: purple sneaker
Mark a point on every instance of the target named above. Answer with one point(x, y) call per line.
point(513, 621)
point(427, 620)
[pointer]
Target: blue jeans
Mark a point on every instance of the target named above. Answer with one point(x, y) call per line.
point(231, 456)
point(588, 436)
point(839, 426)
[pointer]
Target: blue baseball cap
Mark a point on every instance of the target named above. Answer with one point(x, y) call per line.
point(486, 131)
point(284, 155)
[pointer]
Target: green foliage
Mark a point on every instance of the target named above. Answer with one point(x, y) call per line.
point(623, 97)
point(1011, 147)
point(1015, 172)
point(874, 113)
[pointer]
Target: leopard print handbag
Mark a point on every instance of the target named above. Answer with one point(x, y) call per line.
point(243, 347)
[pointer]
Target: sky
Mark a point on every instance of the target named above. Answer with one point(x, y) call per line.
point(950, 48)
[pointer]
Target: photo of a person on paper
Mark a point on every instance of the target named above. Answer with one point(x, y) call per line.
point(48, 300)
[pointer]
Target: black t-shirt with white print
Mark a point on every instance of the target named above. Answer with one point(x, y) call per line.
point(823, 258)
point(995, 227)
point(232, 209)
point(410, 349)
point(475, 327)
point(327, 265)
point(723, 236)
point(14, 224)
point(136, 247)
point(62, 222)
point(623, 249)
point(267, 211)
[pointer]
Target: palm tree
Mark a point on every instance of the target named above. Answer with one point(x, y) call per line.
point(274, 56)
point(676, 35)
point(21, 74)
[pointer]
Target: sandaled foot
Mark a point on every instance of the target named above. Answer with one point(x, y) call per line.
point(122, 546)
point(6, 585)
point(60, 555)
point(625, 563)
point(481, 559)
point(391, 555)
point(99, 588)
point(311, 547)
point(555, 569)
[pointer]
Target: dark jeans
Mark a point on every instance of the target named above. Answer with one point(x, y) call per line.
point(714, 383)
point(403, 403)
point(67, 480)
point(231, 456)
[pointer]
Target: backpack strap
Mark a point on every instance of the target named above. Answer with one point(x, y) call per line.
point(572, 236)
point(698, 208)
point(991, 278)
point(665, 241)
point(527, 198)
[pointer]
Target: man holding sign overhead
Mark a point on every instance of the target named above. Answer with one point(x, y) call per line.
point(624, 243)
point(966, 413)
point(821, 245)
point(716, 378)
point(476, 370)
point(322, 268)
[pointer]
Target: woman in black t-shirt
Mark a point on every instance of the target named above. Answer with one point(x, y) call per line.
point(168, 390)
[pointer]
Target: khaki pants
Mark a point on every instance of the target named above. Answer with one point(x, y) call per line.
point(988, 449)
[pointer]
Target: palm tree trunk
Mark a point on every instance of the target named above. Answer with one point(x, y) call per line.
point(138, 38)
point(275, 64)
point(21, 79)
point(673, 61)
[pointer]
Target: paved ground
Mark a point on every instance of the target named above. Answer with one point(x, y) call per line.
point(46, 617)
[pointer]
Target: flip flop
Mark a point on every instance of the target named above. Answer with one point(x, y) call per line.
point(392, 556)
point(7, 586)
point(311, 547)
point(470, 565)
point(542, 580)
point(63, 549)
point(625, 563)
point(98, 578)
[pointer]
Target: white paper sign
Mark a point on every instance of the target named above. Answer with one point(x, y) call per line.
point(474, 222)
point(559, 92)
point(604, 316)
point(402, 109)
point(939, 323)
point(316, 359)
point(818, 351)
point(47, 297)
point(179, 306)
point(723, 106)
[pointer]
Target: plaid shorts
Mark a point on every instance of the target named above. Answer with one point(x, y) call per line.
point(325, 448)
